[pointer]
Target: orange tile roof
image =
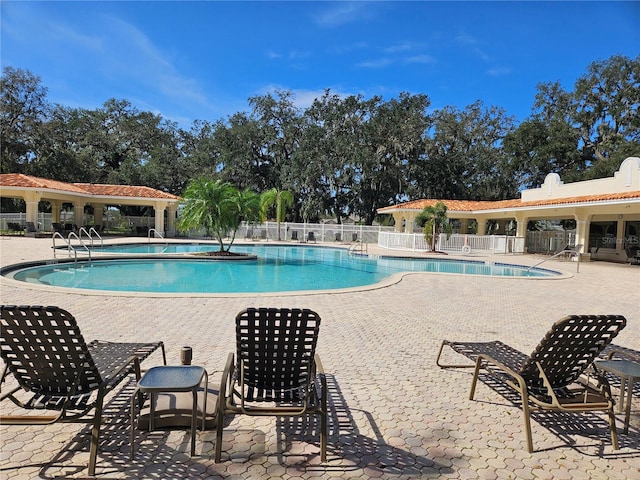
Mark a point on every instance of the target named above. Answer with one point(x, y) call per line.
point(124, 191)
point(472, 205)
point(27, 181)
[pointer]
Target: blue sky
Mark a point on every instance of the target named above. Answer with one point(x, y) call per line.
point(203, 60)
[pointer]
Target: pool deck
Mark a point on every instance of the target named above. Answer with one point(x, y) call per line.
point(394, 413)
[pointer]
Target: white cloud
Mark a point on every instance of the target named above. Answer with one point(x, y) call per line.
point(302, 98)
point(426, 59)
point(499, 71)
point(467, 41)
point(378, 63)
point(343, 13)
point(400, 47)
point(271, 55)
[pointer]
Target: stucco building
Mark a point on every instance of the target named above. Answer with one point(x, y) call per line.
point(34, 190)
point(606, 211)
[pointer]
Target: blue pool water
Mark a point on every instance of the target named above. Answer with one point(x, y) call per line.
point(277, 269)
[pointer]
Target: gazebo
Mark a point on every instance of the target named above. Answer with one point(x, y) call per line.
point(35, 189)
point(606, 211)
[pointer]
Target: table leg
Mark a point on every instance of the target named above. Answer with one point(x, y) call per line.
point(194, 413)
point(152, 411)
point(623, 384)
point(627, 415)
point(133, 421)
point(204, 401)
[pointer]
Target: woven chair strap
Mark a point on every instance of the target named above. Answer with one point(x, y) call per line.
point(501, 352)
point(275, 350)
point(570, 347)
point(45, 351)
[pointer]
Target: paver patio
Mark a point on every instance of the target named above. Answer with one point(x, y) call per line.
point(394, 413)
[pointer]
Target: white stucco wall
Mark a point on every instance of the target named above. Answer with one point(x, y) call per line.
point(626, 179)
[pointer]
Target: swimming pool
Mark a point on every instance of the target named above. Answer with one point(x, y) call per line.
point(276, 269)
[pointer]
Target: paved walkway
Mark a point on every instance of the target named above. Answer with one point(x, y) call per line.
point(394, 413)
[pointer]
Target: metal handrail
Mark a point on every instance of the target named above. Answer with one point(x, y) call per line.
point(157, 233)
point(88, 234)
point(68, 244)
point(573, 252)
point(72, 234)
point(358, 246)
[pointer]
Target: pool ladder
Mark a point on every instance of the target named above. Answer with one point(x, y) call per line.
point(571, 251)
point(358, 248)
point(70, 248)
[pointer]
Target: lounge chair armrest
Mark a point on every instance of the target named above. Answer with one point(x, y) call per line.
point(320, 372)
point(319, 368)
point(227, 378)
point(501, 366)
point(114, 375)
point(611, 354)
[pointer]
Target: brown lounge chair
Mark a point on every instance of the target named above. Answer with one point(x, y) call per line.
point(43, 349)
point(276, 371)
point(551, 378)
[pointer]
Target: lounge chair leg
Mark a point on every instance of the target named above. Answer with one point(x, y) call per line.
point(95, 435)
point(323, 436)
point(219, 427)
point(614, 431)
point(526, 414)
point(474, 382)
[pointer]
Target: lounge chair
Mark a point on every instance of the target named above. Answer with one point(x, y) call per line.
point(552, 377)
point(276, 371)
point(568, 251)
point(30, 228)
point(311, 237)
point(15, 227)
point(294, 235)
point(43, 349)
point(633, 255)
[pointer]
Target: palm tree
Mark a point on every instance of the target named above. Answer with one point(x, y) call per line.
point(282, 200)
point(247, 204)
point(218, 207)
point(434, 221)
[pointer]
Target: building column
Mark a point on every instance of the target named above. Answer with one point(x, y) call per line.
point(56, 206)
point(583, 221)
point(397, 220)
point(159, 208)
point(31, 199)
point(171, 221)
point(410, 221)
point(521, 225)
point(482, 226)
point(97, 213)
point(620, 236)
point(78, 214)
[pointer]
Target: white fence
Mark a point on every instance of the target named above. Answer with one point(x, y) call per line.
point(114, 223)
point(320, 232)
point(455, 243)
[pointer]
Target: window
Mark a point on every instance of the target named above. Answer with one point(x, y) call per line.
point(603, 234)
point(632, 234)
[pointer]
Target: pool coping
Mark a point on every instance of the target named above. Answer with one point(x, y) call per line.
point(6, 276)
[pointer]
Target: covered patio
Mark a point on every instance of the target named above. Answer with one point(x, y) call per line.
point(606, 212)
point(34, 190)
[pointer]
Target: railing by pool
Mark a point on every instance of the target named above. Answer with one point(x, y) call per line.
point(416, 242)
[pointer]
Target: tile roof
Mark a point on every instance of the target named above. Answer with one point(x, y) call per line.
point(125, 191)
point(472, 205)
point(27, 181)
